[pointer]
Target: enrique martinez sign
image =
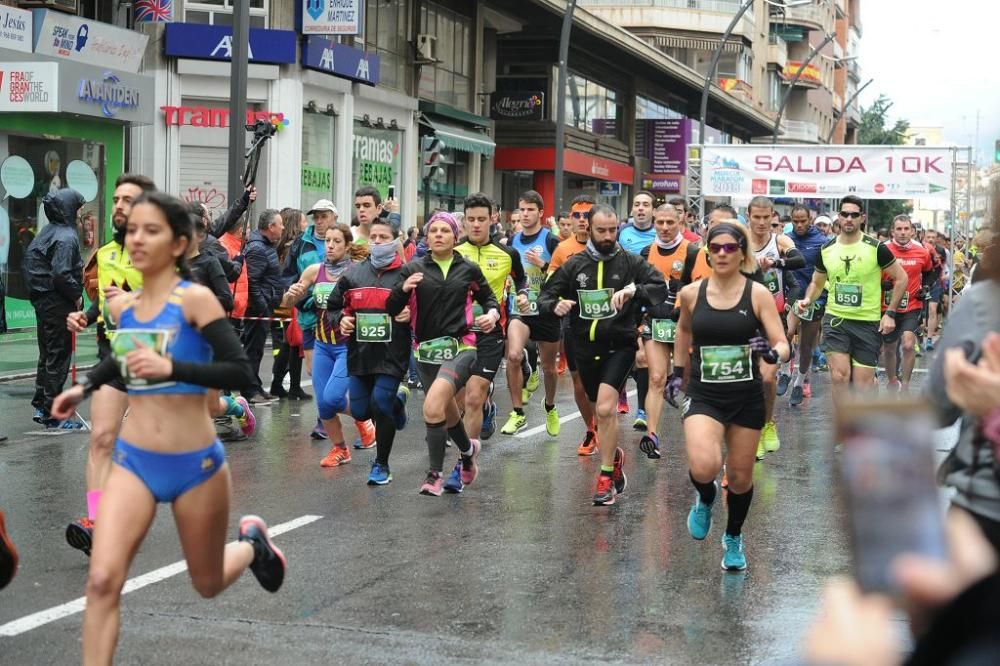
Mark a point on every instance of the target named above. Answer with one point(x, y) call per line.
point(518, 106)
point(870, 172)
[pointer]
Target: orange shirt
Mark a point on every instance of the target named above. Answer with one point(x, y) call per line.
point(564, 251)
point(701, 267)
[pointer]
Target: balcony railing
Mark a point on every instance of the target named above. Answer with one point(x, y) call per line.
point(801, 131)
point(721, 6)
point(854, 69)
point(777, 51)
point(737, 88)
point(813, 16)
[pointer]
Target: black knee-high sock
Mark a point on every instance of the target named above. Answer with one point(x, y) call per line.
point(531, 353)
point(436, 436)
point(705, 490)
point(641, 377)
point(461, 439)
point(739, 507)
point(385, 435)
point(295, 369)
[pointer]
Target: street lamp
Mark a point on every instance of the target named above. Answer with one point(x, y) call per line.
point(847, 105)
point(567, 26)
point(791, 84)
point(716, 56)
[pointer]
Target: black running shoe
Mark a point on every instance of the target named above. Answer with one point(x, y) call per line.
point(268, 564)
point(784, 379)
point(80, 535)
point(618, 476)
point(650, 445)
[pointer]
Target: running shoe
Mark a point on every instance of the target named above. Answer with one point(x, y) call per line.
point(380, 475)
point(489, 420)
point(769, 437)
point(807, 390)
point(278, 391)
point(433, 484)
point(269, 563)
point(699, 520)
point(760, 448)
point(618, 475)
point(929, 346)
point(80, 535)
point(798, 393)
point(453, 484)
point(514, 423)
point(623, 407)
point(534, 379)
point(605, 495)
point(247, 422)
point(367, 432)
point(470, 470)
point(650, 445)
point(525, 396)
point(918, 350)
point(414, 383)
point(820, 363)
point(561, 366)
point(552, 422)
point(56, 424)
point(640, 420)
point(8, 555)
point(589, 445)
point(784, 379)
point(319, 432)
point(338, 455)
point(733, 557)
point(402, 395)
point(39, 416)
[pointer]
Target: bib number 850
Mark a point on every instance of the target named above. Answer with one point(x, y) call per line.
point(848, 295)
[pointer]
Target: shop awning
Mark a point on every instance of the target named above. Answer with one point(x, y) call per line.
point(460, 138)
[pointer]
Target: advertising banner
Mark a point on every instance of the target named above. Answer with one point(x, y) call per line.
point(331, 17)
point(29, 86)
point(15, 29)
point(215, 42)
point(88, 42)
point(870, 172)
point(528, 105)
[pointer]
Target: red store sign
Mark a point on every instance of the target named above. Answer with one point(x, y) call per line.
point(544, 159)
point(203, 116)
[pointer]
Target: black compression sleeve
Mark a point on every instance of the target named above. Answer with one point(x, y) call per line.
point(230, 367)
point(103, 372)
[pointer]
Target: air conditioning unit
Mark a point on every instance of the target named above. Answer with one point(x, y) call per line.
point(70, 6)
point(426, 49)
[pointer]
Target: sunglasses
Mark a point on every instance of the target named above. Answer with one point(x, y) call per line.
point(728, 248)
point(775, 225)
point(579, 215)
point(850, 214)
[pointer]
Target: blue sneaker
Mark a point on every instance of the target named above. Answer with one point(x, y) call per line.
point(39, 416)
point(402, 395)
point(489, 420)
point(380, 475)
point(454, 482)
point(640, 420)
point(733, 558)
point(699, 520)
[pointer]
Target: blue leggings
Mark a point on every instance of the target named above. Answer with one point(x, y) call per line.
point(330, 378)
point(374, 397)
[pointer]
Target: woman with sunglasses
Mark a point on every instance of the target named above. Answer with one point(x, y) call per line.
point(173, 340)
point(728, 321)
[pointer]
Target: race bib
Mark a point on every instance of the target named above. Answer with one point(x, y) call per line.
point(477, 312)
point(532, 295)
point(126, 340)
point(771, 282)
point(437, 351)
point(723, 364)
point(595, 303)
point(903, 302)
point(664, 330)
point(373, 327)
point(321, 293)
point(808, 315)
point(847, 295)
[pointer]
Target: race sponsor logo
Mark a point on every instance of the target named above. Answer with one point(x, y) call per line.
point(831, 188)
point(802, 188)
point(879, 188)
point(775, 187)
point(726, 181)
point(759, 186)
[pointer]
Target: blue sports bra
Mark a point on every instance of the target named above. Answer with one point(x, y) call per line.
point(169, 334)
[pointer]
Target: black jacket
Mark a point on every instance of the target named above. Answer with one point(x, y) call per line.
point(227, 222)
point(581, 272)
point(363, 288)
point(440, 307)
point(264, 275)
point(53, 265)
point(231, 269)
point(207, 271)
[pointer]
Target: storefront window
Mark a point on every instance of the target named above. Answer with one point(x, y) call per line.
point(450, 80)
point(377, 158)
point(220, 12)
point(385, 34)
point(317, 158)
point(31, 166)
point(593, 108)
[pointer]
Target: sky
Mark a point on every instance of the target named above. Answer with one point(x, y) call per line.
point(938, 62)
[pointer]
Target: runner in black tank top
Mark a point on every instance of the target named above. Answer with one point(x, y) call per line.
point(721, 322)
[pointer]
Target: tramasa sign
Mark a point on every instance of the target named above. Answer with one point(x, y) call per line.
point(203, 116)
point(871, 172)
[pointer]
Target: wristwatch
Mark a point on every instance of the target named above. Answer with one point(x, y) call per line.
point(891, 313)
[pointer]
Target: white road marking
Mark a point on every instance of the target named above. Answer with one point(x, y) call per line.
point(41, 618)
point(562, 419)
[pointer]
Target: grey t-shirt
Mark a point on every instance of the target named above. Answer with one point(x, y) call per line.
point(972, 475)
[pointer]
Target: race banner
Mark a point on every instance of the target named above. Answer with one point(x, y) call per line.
point(816, 172)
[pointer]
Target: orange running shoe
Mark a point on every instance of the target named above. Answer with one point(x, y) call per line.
point(561, 367)
point(338, 455)
point(589, 445)
point(367, 431)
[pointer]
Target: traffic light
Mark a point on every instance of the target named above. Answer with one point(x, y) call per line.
point(430, 156)
point(996, 152)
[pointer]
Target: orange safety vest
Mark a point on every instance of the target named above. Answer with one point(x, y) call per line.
point(671, 267)
point(241, 287)
point(701, 268)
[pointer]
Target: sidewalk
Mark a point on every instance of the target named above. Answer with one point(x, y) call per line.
point(19, 353)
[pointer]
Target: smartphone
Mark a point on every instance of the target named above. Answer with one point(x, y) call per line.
point(392, 192)
point(890, 492)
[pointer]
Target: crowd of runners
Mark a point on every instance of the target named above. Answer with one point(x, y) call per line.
point(718, 320)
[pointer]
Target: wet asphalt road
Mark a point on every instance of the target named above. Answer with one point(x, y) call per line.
point(520, 568)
